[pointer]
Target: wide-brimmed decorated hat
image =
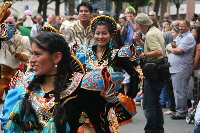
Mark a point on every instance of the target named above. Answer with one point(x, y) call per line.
point(49, 28)
point(110, 21)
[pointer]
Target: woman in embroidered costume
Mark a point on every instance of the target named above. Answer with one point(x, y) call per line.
point(104, 76)
point(44, 106)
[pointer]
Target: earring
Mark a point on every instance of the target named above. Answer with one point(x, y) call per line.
point(56, 65)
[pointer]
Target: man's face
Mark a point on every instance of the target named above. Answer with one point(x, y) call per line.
point(152, 15)
point(84, 14)
point(50, 19)
point(140, 28)
point(183, 27)
point(39, 19)
point(165, 24)
point(130, 16)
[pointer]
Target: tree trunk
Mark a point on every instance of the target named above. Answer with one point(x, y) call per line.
point(136, 6)
point(163, 8)
point(118, 8)
point(45, 10)
point(71, 4)
point(57, 10)
point(40, 6)
point(157, 7)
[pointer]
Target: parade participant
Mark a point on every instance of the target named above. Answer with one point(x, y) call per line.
point(79, 31)
point(14, 52)
point(43, 107)
point(101, 82)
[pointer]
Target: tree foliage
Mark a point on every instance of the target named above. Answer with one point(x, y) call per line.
point(136, 3)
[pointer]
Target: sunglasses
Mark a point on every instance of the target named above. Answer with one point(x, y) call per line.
point(151, 15)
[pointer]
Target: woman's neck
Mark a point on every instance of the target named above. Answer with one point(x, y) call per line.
point(100, 49)
point(48, 84)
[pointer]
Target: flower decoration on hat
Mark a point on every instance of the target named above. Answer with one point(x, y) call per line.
point(112, 23)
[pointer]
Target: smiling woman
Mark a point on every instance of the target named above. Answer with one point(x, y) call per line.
point(103, 78)
point(44, 106)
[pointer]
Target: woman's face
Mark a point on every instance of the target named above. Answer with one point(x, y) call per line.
point(102, 35)
point(42, 62)
point(194, 33)
point(165, 24)
point(174, 34)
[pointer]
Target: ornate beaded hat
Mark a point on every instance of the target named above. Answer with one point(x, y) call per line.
point(49, 28)
point(112, 23)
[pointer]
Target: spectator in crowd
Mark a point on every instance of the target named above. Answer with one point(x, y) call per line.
point(127, 32)
point(25, 23)
point(27, 19)
point(196, 34)
point(36, 27)
point(52, 21)
point(168, 34)
point(155, 22)
point(79, 32)
point(14, 52)
point(153, 52)
point(175, 23)
point(180, 58)
point(152, 14)
point(165, 24)
point(196, 66)
point(167, 17)
point(169, 88)
point(58, 21)
point(128, 26)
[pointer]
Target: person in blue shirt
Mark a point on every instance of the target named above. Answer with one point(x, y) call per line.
point(128, 26)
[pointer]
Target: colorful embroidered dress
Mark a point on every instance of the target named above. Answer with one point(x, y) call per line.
point(106, 74)
point(43, 106)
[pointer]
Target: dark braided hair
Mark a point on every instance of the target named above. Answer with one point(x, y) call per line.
point(51, 42)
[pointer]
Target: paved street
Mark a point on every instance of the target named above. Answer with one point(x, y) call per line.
point(139, 121)
point(171, 126)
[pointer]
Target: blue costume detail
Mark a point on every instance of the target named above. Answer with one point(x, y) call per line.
point(13, 96)
point(93, 79)
point(40, 104)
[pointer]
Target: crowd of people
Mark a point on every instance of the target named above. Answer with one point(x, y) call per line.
point(87, 72)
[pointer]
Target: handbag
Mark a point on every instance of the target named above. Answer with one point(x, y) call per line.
point(150, 71)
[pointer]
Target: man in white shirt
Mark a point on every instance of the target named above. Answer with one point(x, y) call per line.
point(79, 32)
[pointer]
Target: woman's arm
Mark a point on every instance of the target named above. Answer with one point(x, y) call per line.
point(11, 99)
